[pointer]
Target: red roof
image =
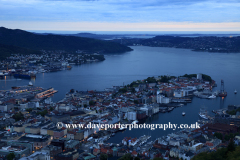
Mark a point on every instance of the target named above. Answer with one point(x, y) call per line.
point(134, 152)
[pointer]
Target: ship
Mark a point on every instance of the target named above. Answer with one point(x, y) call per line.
point(222, 93)
point(203, 114)
point(26, 76)
point(1, 74)
point(69, 67)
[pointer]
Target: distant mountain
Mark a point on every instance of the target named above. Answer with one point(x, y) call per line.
point(7, 50)
point(52, 42)
point(98, 36)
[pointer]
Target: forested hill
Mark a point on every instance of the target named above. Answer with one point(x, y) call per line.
point(50, 42)
point(221, 44)
point(7, 50)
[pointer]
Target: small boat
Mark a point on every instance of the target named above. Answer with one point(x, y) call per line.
point(1, 74)
point(181, 105)
point(235, 92)
point(212, 96)
point(30, 83)
point(203, 116)
point(113, 134)
point(183, 113)
point(122, 128)
point(203, 113)
point(135, 122)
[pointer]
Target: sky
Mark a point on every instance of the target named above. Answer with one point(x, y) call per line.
point(121, 15)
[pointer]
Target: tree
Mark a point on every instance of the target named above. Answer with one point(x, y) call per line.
point(136, 158)
point(91, 103)
point(207, 78)
point(123, 90)
point(150, 80)
point(85, 106)
point(218, 135)
point(51, 109)
point(10, 156)
point(231, 135)
point(133, 90)
point(157, 158)
point(126, 157)
point(43, 113)
point(227, 137)
point(164, 79)
point(136, 101)
point(18, 116)
point(231, 146)
point(29, 109)
point(103, 157)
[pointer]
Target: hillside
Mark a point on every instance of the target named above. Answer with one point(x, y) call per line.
point(50, 42)
point(6, 51)
point(203, 43)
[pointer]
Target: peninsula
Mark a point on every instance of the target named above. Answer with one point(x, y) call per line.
point(20, 41)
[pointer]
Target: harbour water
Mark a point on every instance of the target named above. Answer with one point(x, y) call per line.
point(142, 63)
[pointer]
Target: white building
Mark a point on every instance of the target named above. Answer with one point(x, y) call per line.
point(37, 156)
point(155, 109)
point(196, 147)
point(132, 116)
point(174, 142)
point(3, 108)
point(179, 93)
point(199, 76)
point(174, 152)
point(162, 99)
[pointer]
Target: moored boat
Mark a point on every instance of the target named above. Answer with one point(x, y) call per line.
point(203, 113)
point(30, 83)
point(212, 96)
point(122, 128)
point(135, 122)
point(1, 74)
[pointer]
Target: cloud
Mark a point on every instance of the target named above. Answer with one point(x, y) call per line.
point(120, 10)
point(122, 26)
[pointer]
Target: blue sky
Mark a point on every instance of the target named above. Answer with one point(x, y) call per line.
point(121, 15)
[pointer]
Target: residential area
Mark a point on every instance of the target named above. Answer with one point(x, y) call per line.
point(29, 117)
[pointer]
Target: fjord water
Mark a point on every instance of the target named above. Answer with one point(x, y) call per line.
point(142, 63)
